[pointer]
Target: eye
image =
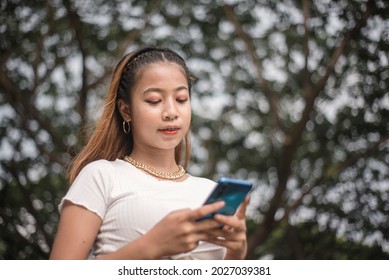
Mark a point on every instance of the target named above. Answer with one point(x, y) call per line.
point(181, 100)
point(153, 102)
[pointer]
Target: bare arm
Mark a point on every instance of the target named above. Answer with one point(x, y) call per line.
point(77, 230)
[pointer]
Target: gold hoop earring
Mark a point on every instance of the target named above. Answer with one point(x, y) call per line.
point(126, 127)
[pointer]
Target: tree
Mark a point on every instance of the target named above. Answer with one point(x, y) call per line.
point(290, 94)
point(318, 156)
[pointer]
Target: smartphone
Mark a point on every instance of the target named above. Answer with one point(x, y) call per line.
point(232, 192)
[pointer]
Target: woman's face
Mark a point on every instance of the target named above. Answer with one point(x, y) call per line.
point(160, 107)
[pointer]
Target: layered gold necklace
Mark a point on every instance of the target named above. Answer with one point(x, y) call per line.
point(159, 174)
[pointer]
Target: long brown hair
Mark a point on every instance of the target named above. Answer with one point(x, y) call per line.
point(108, 141)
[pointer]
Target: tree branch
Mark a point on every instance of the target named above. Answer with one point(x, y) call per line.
point(314, 92)
point(290, 147)
point(329, 172)
point(250, 48)
point(24, 108)
point(307, 74)
point(21, 238)
point(261, 232)
point(13, 169)
point(76, 24)
point(52, 155)
point(137, 32)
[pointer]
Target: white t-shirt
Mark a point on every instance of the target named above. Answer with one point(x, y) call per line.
point(130, 202)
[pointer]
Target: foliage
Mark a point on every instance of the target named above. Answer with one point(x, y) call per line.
point(307, 241)
point(289, 94)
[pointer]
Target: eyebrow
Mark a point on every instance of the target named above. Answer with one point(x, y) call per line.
point(159, 90)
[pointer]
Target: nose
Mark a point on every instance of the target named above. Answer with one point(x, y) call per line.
point(170, 111)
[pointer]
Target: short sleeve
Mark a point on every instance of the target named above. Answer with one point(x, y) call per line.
point(91, 188)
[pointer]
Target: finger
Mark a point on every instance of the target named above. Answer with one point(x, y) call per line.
point(216, 232)
point(236, 250)
point(230, 222)
point(241, 212)
point(208, 224)
point(206, 209)
point(225, 237)
point(233, 245)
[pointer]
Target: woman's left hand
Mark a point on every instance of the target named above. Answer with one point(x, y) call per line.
point(233, 233)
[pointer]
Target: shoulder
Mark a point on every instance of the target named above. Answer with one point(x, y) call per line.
point(98, 171)
point(97, 178)
point(92, 187)
point(101, 166)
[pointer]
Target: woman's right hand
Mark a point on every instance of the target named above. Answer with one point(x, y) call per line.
point(180, 232)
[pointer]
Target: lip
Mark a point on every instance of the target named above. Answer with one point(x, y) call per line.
point(169, 130)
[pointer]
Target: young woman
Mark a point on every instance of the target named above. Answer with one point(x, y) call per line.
point(130, 198)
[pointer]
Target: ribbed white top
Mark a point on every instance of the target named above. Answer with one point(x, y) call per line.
point(130, 202)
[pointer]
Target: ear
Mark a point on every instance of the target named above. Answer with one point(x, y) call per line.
point(124, 110)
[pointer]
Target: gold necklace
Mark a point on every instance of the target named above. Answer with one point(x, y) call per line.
point(160, 174)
